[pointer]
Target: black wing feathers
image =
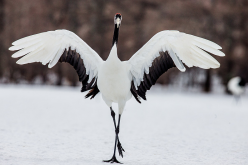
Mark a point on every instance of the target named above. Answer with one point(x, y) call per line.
point(134, 92)
point(93, 92)
point(73, 58)
point(159, 65)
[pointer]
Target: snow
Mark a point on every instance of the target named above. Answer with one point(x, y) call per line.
point(44, 125)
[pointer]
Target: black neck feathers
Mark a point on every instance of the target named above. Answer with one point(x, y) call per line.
point(116, 33)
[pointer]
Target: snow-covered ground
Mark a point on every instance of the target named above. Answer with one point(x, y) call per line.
point(57, 126)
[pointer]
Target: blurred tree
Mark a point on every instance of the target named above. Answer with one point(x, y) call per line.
point(1, 38)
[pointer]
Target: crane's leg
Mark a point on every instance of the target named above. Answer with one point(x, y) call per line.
point(237, 98)
point(119, 146)
point(117, 142)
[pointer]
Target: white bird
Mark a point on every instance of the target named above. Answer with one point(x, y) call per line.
point(236, 86)
point(118, 80)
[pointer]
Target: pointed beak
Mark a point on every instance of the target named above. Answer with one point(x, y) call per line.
point(118, 22)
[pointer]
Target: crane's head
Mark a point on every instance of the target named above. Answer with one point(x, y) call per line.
point(117, 19)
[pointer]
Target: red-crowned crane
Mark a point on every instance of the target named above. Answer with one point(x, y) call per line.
point(236, 86)
point(118, 80)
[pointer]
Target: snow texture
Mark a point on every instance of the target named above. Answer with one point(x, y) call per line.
point(57, 126)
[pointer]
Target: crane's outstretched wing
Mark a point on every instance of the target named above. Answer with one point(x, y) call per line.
point(64, 46)
point(165, 50)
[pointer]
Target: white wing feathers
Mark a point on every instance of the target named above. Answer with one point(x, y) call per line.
point(180, 46)
point(48, 47)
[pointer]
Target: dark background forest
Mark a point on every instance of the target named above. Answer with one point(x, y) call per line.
point(224, 22)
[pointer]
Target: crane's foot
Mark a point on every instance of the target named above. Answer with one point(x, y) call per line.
point(112, 160)
point(120, 149)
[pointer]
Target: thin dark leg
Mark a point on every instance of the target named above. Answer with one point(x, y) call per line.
point(237, 98)
point(117, 142)
point(113, 115)
point(120, 149)
point(119, 146)
point(113, 159)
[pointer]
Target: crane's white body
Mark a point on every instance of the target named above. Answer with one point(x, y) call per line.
point(113, 76)
point(114, 80)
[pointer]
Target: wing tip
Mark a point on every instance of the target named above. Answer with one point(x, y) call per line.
point(222, 54)
point(19, 62)
point(182, 69)
point(50, 65)
point(13, 56)
point(12, 48)
point(217, 65)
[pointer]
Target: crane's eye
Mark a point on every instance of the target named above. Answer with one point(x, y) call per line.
point(118, 16)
